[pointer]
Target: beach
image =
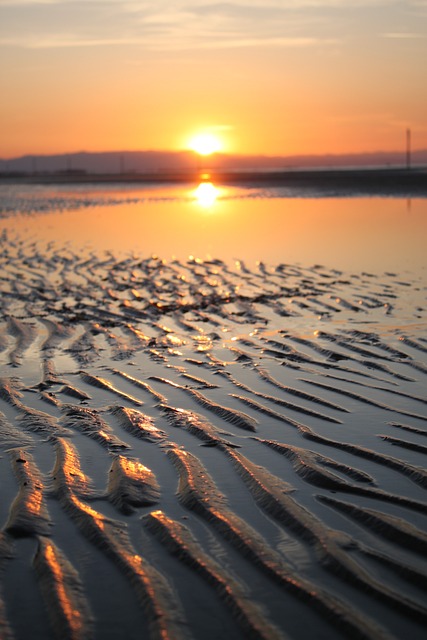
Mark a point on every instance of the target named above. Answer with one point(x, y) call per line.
point(212, 414)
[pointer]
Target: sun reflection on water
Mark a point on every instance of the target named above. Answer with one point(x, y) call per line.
point(206, 194)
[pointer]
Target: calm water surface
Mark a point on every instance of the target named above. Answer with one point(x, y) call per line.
point(272, 225)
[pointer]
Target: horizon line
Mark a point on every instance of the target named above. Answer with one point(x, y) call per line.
point(214, 154)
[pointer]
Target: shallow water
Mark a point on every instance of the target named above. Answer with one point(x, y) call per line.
point(211, 448)
point(273, 225)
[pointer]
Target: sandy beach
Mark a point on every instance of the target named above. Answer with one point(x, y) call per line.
point(208, 448)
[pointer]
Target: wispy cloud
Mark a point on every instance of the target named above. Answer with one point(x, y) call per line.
point(282, 4)
point(62, 42)
point(179, 25)
point(404, 35)
point(184, 24)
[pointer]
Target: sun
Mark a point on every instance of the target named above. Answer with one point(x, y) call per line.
point(205, 144)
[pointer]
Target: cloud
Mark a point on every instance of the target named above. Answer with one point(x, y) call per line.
point(183, 5)
point(403, 35)
point(62, 42)
point(173, 25)
point(160, 25)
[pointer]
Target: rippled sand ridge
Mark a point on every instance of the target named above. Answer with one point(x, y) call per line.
point(205, 449)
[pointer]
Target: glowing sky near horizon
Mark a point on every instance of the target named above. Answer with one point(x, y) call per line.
point(274, 77)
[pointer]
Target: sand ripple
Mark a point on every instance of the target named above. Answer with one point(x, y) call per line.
point(139, 496)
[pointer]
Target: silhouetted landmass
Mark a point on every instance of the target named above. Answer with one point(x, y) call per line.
point(333, 175)
point(164, 162)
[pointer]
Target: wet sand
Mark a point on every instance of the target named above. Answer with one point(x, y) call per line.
point(199, 448)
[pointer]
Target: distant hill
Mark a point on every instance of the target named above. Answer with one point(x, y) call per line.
point(116, 162)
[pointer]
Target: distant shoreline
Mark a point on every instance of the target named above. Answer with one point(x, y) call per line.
point(389, 180)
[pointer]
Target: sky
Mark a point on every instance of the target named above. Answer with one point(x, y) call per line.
point(272, 77)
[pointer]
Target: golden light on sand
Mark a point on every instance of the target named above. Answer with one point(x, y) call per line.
point(205, 144)
point(206, 194)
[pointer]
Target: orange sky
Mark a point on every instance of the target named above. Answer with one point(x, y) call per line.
point(275, 77)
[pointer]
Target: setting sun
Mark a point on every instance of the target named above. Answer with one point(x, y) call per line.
point(205, 144)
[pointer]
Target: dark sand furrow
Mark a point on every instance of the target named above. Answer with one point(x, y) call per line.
point(84, 349)
point(196, 425)
point(200, 382)
point(373, 340)
point(157, 356)
point(3, 339)
point(7, 548)
point(208, 318)
point(409, 428)
point(234, 417)
point(364, 399)
point(371, 364)
point(333, 548)
point(414, 344)
point(313, 474)
point(350, 346)
point(63, 594)
point(285, 403)
point(335, 356)
point(6, 554)
point(39, 422)
point(375, 302)
point(382, 524)
point(187, 326)
point(10, 391)
point(242, 356)
point(49, 374)
point(10, 436)
point(57, 333)
point(89, 422)
point(131, 485)
point(359, 373)
point(6, 632)
point(164, 616)
point(138, 424)
point(28, 515)
point(249, 342)
point(138, 337)
point(405, 444)
point(101, 383)
point(198, 493)
point(395, 392)
point(180, 542)
point(416, 474)
point(292, 355)
point(342, 302)
point(263, 373)
point(309, 465)
point(158, 397)
point(121, 349)
point(329, 354)
point(25, 334)
point(410, 574)
point(269, 412)
point(418, 366)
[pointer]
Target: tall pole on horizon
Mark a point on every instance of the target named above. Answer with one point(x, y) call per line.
point(408, 148)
